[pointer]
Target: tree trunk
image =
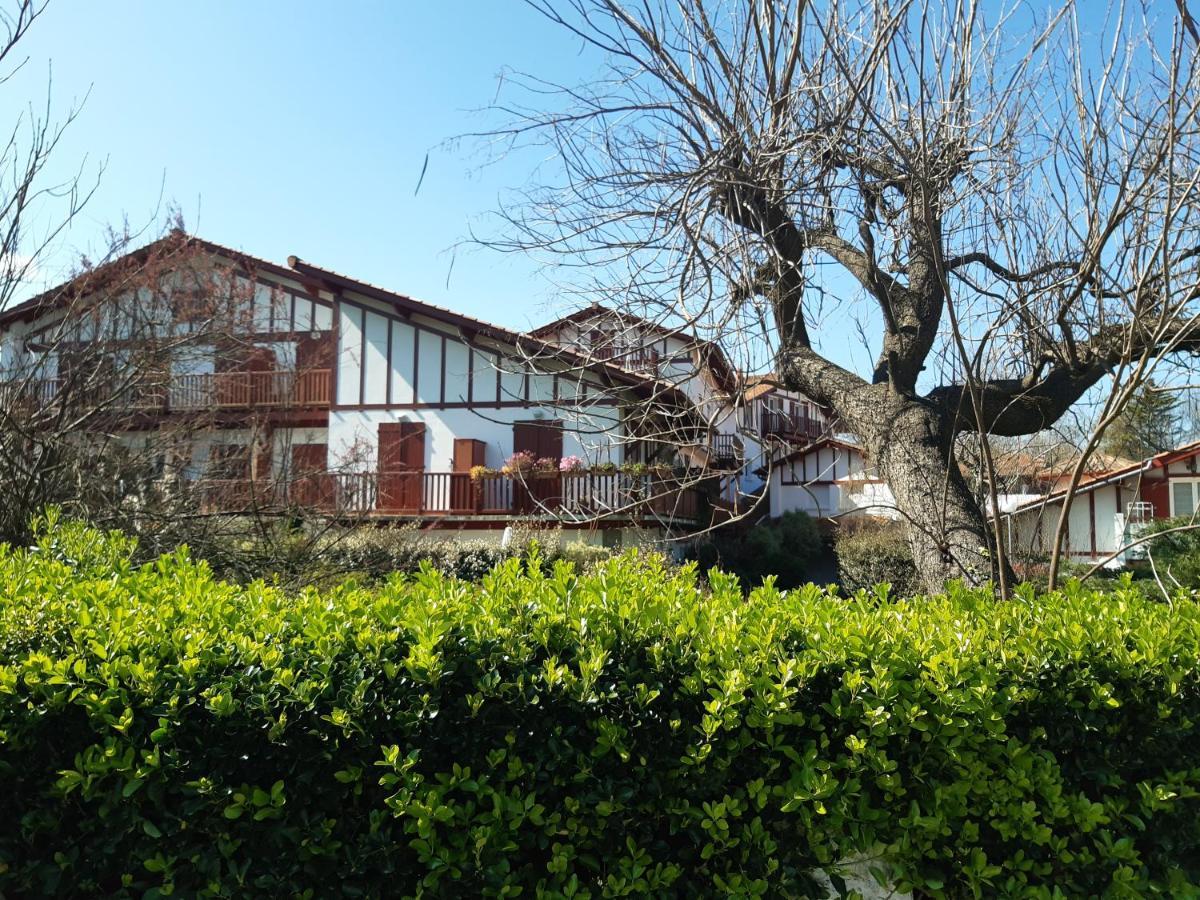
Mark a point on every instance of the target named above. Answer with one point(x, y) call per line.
point(913, 451)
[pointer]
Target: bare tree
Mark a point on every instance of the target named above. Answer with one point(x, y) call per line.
point(1012, 197)
point(142, 395)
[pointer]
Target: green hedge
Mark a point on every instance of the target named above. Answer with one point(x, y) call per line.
point(619, 733)
point(786, 548)
point(872, 552)
point(1176, 554)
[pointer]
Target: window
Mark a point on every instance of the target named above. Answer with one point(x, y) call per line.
point(1185, 496)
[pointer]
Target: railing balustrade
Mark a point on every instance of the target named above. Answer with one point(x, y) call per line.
point(636, 359)
point(725, 449)
point(185, 392)
point(783, 425)
point(571, 496)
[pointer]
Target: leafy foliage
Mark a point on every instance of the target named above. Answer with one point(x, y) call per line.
point(785, 547)
point(1177, 553)
point(871, 553)
point(618, 733)
point(289, 553)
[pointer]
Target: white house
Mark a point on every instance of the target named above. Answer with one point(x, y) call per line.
point(828, 478)
point(1110, 510)
point(343, 395)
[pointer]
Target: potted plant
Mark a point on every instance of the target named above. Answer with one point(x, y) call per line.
point(635, 468)
point(478, 473)
point(570, 464)
point(546, 467)
point(605, 468)
point(519, 464)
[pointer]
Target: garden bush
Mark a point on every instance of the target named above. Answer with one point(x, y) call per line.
point(870, 552)
point(298, 554)
point(618, 733)
point(1176, 554)
point(784, 548)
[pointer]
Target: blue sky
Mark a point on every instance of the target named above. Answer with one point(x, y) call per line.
point(285, 128)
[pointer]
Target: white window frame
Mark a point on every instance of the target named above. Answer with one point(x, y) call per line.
point(1195, 483)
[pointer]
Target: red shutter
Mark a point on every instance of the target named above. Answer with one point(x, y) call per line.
point(308, 459)
point(401, 465)
point(311, 485)
point(412, 445)
point(525, 437)
point(551, 440)
point(401, 446)
point(542, 439)
point(1156, 491)
point(467, 453)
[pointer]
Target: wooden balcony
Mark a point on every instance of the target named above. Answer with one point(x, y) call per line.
point(636, 359)
point(790, 428)
point(308, 389)
point(725, 451)
point(565, 497)
point(243, 390)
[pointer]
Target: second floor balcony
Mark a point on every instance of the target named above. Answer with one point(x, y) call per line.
point(643, 360)
point(789, 427)
point(726, 451)
point(184, 392)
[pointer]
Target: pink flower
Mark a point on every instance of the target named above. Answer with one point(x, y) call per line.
point(570, 464)
point(520, 461)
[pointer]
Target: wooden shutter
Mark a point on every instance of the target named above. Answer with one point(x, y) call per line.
point(308, 459)
point(401, 465)
point(551, 440)
point(467, 453)
point(311, 485)
point(1155, 492)
point(401, 446)
point(542, 439)
point(525, 437)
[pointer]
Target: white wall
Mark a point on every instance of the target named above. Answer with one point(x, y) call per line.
point(353, 435)
point(833, 483)
point(1033, 528)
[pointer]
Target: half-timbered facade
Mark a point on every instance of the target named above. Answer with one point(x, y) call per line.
point(306, 387)
point(1110, 510)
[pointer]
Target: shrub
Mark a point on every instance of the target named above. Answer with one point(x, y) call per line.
point(785, 548)
point(1177, 555)
point(871, 553)
point(282, 553)
point(550, 734)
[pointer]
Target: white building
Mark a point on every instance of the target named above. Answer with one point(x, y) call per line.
point(1110, 510)
point(324, 391)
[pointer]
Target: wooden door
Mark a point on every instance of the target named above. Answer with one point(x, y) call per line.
point(468, 453)
point(401, 465)
point(312, 486)
point(465, 494)
point(1155, 492)
point(544, 440)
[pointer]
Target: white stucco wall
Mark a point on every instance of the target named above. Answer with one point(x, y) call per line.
point(591, 434)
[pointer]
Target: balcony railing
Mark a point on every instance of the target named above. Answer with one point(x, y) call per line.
point(783, 425)
point(636, 359)
point(570, 496)
point(182, 393)
point(725, 450)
